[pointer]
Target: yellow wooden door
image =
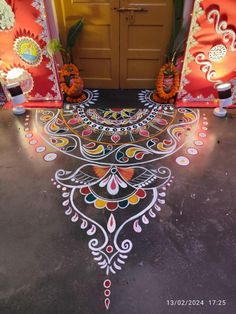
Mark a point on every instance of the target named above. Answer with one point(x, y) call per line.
point(97, 51)
point(144, 35)
point(123, 43)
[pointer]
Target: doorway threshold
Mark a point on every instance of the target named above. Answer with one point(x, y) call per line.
point(118, 98)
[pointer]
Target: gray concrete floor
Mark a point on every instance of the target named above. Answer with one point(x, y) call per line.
point(186, 253)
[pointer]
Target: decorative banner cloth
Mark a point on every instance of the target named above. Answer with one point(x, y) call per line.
point(210, 53)
point(23, 39)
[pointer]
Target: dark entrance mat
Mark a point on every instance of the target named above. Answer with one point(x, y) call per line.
point(118, 98)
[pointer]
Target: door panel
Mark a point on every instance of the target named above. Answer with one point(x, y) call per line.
point(144, 38)
point(96, 50)
point(118, 49)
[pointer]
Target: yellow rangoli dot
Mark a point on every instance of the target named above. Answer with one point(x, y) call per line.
point(100, 203)
point(133, 199)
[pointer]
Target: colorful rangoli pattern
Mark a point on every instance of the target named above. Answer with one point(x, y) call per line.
point(121, 173)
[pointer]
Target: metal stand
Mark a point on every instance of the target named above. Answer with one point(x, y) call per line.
point(18, 110)
point(220, 112)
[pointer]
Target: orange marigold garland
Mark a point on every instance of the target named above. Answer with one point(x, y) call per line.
point(161, 95)
point(78, 99)
point(71, 84)
point(160, 100)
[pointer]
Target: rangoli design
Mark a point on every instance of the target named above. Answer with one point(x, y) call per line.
point(121, 172)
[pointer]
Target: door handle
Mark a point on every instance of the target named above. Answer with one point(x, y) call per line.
point(123, 9)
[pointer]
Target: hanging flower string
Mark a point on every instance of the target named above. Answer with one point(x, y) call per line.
point(162, 95)
point(71, 84)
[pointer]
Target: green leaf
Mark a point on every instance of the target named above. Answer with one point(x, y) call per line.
point(180, 40)
point(73, 32)
point(67, 80)
point(176, 29)
point(54, 46)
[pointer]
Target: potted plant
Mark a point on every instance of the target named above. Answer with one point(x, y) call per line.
point(70, 82)
point(167, 84)
point(168, 81)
